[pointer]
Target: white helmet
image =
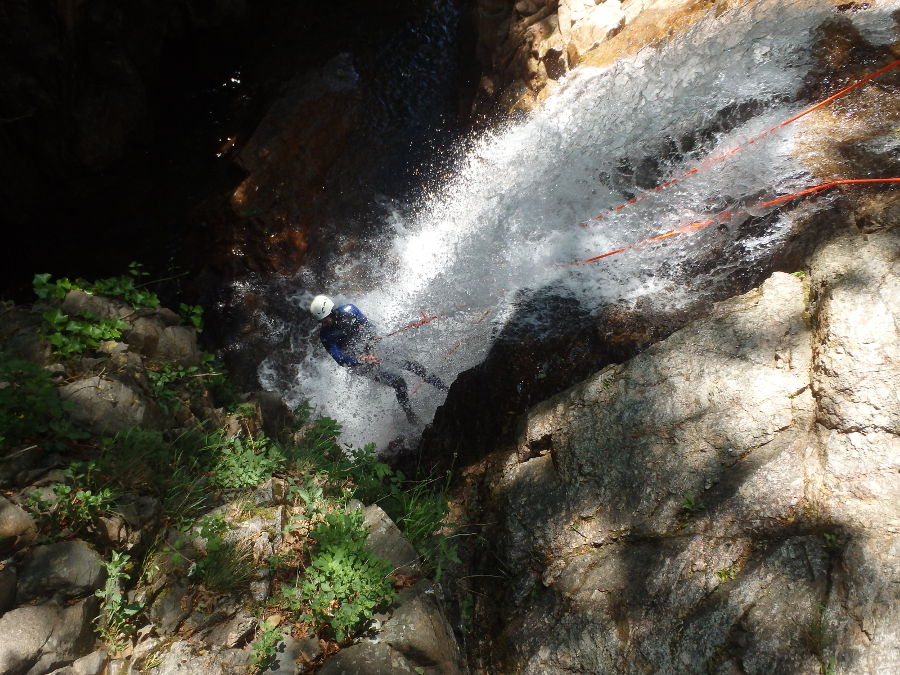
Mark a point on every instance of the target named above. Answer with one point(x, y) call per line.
point(321, 307)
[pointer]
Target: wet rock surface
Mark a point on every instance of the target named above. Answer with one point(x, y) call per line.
point(723, 501)
point(524, 47)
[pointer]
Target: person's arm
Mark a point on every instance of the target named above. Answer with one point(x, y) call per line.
point(336, 352)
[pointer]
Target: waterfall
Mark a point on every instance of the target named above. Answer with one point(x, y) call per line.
point(504, 223)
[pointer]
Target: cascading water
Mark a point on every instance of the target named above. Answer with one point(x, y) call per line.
point(507, 222)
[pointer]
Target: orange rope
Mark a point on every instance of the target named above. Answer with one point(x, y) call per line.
point(726, 215)
point(715, 160)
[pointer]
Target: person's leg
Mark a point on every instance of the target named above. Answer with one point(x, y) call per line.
point(419, 369)
point(395, 380)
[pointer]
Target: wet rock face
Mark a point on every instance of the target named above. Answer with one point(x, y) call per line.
point(725, 501)
point(525, 46)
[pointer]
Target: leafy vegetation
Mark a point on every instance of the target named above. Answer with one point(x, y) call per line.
point(73, 505)
point(170, 383)
point(323, 575)
point(115, 621)
point(123, 287)
point(726, 573)
point(29, 405)
point(192, 315)
point(690, 505)
point(344, 582)
point(69, 336)
point(262, 653)
point(245, 462)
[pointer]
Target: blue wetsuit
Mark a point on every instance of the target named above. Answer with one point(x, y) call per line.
point(351, 336)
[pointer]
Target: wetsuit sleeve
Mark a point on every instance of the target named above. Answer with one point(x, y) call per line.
point(336, 353)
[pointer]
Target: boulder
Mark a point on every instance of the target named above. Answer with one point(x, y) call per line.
point(234, 632)
point(158, 341)
point(185, 658)
point(856, 374)
point(171, 607)
point(107, 405)
point(42, 638)
point(372, 658)
point(78, 302)
point(419, 630)
point(387, 543)
point(67, 569)
point(726, 501)
point(19, 461)
point(285, 658)
point(92, 664)
point(17, 528)
point(273, 413)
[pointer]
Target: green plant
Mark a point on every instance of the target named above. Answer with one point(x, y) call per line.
point(302, 414)
point(77, 502)
point(68, 336)
point(418, 507)
point(264, 647)
point(245, 462)
point(726, 573)
point(29, 405)
point(311, 494)
point(690, 505)
point(420, 510)
point(830, 542)
point(344, 582)
point(166, 378)
point(222, 390)
point(137, 459)
point(123, 287)
point(227, 566)
point(193, 315)
point(114, 623)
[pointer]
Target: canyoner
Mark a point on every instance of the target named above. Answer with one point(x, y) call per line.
point(350, 338)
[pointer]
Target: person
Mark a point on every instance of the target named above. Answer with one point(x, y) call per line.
point(350, 338)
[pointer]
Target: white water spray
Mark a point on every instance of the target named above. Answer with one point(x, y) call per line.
point(506, 222)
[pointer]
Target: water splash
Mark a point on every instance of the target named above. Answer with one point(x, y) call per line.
point(504, 223)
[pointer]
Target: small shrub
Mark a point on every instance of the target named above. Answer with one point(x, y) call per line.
point(114, 623)
point(244, 463)
point(77, 503)
point(690, 505)
point(344, 582)
point(264, 647)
